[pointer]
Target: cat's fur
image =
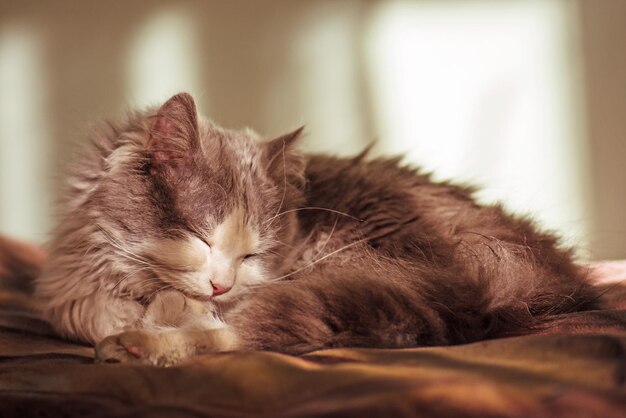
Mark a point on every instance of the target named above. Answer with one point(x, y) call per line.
point(168, 210)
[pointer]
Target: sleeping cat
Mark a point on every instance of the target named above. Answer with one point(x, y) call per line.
point(178, 237)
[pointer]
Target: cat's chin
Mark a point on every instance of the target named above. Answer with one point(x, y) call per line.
point(201, 298)
point(196, 296)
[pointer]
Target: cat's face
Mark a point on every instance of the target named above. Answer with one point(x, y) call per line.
point(199, 209)
point(218, 261)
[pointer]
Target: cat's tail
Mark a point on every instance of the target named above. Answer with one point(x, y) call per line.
point(20, 262)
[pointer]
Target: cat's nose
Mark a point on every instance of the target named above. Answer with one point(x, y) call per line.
point(219, 290)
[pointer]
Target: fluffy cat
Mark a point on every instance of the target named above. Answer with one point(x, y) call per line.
point(178, 237)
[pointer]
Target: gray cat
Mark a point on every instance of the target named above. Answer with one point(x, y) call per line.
point(178, 238)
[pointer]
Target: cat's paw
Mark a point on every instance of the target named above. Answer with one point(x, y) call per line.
point(137, 347)
point(112, 350)
point(173, 309)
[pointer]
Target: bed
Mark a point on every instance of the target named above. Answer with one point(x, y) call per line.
point(575, 365)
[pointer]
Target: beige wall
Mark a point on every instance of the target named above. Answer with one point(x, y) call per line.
point(603, 24)
point(260, 66)
point(255, 62)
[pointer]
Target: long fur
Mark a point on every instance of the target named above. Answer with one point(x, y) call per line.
point(431, 267)
point(339, 251)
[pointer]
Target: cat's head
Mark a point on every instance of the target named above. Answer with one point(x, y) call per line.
point(203, 210)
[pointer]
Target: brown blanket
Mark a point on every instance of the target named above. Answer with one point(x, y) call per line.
point(572, 366)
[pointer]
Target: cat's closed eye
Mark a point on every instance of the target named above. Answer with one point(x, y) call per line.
point(250, 256)
point(205, 242)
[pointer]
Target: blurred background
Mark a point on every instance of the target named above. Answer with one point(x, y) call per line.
point(526, 98)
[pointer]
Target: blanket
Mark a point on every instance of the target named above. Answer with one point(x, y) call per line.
point(573, 365)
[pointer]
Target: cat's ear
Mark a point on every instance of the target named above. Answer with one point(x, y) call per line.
point(284, 162)
point(174, 131)
point(283, 143)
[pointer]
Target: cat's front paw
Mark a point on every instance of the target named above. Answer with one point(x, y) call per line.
point(137, 347)
point(171, 308)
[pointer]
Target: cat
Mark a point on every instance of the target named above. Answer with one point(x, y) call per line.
point(178, 237)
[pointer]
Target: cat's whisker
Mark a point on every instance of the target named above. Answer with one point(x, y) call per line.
point(279, 242)
point(127, 254)
point(221, 187)
point(127, 275)
point(345, 247)
point(282, 200)
point(330, 235)
point(123, 251)
point(315, 208)
point(164, 287)
point(138, 283)
point(304, 242)
point(124, 254)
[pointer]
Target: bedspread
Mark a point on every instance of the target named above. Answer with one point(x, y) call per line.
point(574, 365)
